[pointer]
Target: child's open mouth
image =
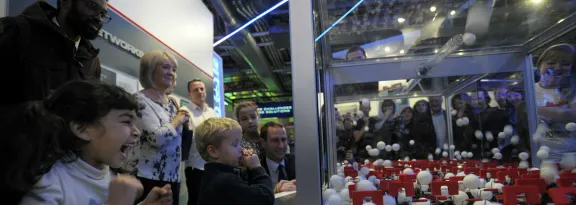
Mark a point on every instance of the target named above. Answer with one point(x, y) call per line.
point(125, 147)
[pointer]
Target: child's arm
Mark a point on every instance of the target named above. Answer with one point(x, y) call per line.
point(47, 191)
point(258, 192)
point(558, 114)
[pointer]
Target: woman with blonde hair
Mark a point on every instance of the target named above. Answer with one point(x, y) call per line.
point(157, 155)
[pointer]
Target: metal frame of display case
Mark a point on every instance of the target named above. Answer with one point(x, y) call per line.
point(307, 117)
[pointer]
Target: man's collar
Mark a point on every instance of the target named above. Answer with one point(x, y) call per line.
point(76, 43)
point(193, 106)
point(272, 165)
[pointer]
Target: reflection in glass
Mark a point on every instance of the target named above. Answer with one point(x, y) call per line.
point(556, 101)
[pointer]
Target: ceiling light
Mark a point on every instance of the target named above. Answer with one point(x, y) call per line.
point(387, 49)
point(536, 1)
point(560, 21)
point(452, 13)
point(402, 51)
point(435, 50)
point(401, 20)
point(433, 9)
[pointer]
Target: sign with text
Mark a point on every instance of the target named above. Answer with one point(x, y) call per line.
point(276, 109)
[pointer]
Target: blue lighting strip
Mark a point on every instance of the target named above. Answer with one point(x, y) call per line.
point(338, 21)
point(250, 22)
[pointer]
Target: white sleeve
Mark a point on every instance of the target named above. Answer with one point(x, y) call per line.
point(48, 191)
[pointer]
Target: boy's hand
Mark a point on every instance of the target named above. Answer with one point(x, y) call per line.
point(250, 159)
point(159, 196)
point(124, 189)
point(284, 186)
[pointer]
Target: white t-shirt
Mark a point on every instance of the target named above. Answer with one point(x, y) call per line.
point(71, 183)
point(558, 139)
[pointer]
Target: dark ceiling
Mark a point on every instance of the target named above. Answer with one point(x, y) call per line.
point(257, 60)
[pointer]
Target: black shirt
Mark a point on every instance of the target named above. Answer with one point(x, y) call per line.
point(222, 185)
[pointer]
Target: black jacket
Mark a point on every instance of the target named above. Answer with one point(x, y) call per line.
point(38, 57)
point(289, 164)
point(222, 185)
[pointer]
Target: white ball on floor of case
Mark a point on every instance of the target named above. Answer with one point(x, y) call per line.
point(457, 152)
point(430, 157)
point(445, 146)
point(548, 174)
point(368, 203)
point(377, 182)
point(365, 185)
point(444, 191)
point(345, 195)
point(389, 200)
point(523, 164)
point(542, 128)
point(444, 154)
point(486, 195)
point(366, 129)
point(523, 156)
point(381, 145)
point(388, 148)
point(495, 150)
point(411, 142)
point(508, 130)
point(365, 171)
point(452, 147)
point(514, 140)
point(338, 164)
point(360, 177)
point(366, 161)
point(471, 181)
point(335, 200)
point(374, 152)
point(489, 136)
point(501, 135)
point(459, 199)
point(355, 165)
point(387, 163)
point(348, 184)
point(348, 179)
point(545, 148)
point(372, 178)
point(402, 198)
point(448, 175)
point(424, 177)
point(464, 154)
point(461, 174)
point(337, 182)
point(469, 39)
point(479, 135)
point(368, 147)
point(395, 147)
point(568, 161)
point(406, 159)
point(328, 193)
point(408, 171)
point(498, 156)
point(438, 151)
point(483, 202)
point(454, 112)
point(379, 162)
point(465, 121)
point(534, 169)
point(458, 157)
point(459, 122)
point(340, 169)
point(571, 127)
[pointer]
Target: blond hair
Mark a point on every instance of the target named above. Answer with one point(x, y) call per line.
point(149, 62)
point(212, 132)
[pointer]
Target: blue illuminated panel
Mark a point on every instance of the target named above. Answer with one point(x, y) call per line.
point(219, 106)
point(275, 109)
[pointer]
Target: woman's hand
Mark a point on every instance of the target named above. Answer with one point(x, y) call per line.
point(181, 117)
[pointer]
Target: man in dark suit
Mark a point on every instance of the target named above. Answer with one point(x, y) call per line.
point(280, 166)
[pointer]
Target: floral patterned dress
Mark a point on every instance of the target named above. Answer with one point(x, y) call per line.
point(157, 154)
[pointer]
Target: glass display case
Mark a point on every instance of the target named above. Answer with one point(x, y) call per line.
point(418, 79)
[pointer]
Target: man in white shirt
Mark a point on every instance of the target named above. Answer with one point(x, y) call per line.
point(199, 111)
point(280, 166)
point(438, 120)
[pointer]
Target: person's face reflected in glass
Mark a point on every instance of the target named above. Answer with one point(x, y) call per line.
point(422, 107)
point(555, 68)
point(501, 95)
point(407, 114)
point(356, 55)
point(514, 98)
point(459, 104)
point(348, 124)
point(435, 104)
point(477, 100)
